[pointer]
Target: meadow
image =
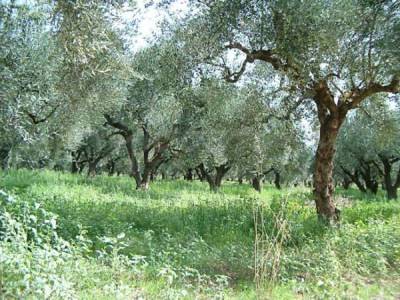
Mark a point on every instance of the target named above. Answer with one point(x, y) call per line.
point(66, 236)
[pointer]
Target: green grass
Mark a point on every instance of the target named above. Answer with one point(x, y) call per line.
point(71, 236)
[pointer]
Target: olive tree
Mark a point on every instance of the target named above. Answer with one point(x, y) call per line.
point(369, 148)
point(152, 115)
point(334, 53)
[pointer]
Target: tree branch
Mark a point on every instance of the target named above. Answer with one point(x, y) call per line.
point(358, 95)
point(118, 125)
point(34, 118)
point(267, 56)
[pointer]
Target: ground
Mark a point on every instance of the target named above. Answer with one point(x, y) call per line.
point(68, 236)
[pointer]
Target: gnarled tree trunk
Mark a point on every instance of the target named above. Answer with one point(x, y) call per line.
point(330, 116)
point(323, 179)
point(354, 177)
point(216, 180)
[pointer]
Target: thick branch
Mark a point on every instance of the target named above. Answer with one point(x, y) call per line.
point(358, 95)
point(116, 124)
point(324, 98)
point(267, 56)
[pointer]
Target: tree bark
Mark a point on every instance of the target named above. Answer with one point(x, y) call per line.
point(128, 137)
point(92, 168)
point(74, 167)
point(134, 172)
point(221, 171)
point(277, 179)
point(346, 182)
point(214, 181)
point(330, 122)
point(189, 174)
point(81, 167)
point(111, 167)
point(75, 161)
point(199, 174)
point(391, 193)
point(390, 186)
point(4, 156)
point(256, 183)
point(354, 177)
point(145, 183)
point(366, 173)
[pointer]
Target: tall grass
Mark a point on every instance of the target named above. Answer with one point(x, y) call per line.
point(179, 241)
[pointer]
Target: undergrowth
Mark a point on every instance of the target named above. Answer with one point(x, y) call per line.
point(65, 236)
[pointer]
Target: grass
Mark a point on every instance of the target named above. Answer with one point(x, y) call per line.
point(68, 236)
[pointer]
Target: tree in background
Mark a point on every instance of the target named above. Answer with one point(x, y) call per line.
point(369, 148)
point(151, 118)
point(336, 54)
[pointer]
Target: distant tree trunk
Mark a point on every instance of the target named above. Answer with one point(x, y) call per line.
point(346, 182)
point(391, 187)
point(355, 177)
point(392, 193)
point(163, 175)
point(4, 156)
point(135, 173)
point(240, 180)
point(74, 167)
point(277, 180)
point(145, 183)
point(221, 171)
point(199, 174)
point(188, 175)
point(372, 186)
point(214, 181)
point(256, 183)
point(205, 174)
point(366, 173)
point(128, 137)
point(81, 167)
point(92, 168)
point(111, 167)
point(75, 161)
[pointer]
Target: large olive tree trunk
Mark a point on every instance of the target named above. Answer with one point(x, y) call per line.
point(331, 117)
point(330, 122)
point(323, 175)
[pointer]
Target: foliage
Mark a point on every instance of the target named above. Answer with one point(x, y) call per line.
point(87, 237)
